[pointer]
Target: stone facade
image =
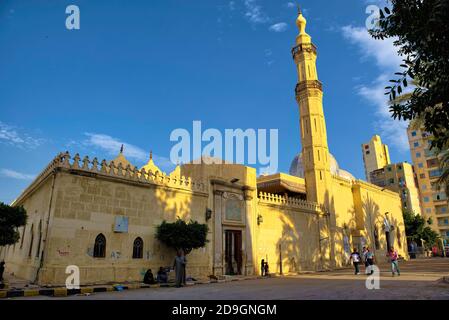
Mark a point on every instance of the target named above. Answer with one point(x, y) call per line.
point(73, 203)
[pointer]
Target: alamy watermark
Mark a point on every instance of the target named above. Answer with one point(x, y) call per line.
point(372, 21)
point(250, 146)
point(372, 282)
point(72, 22)
point(73, 280)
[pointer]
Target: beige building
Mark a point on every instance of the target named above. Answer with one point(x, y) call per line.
point(375, 156)
point(434, 201)
point(101, 216)
point(401, 178)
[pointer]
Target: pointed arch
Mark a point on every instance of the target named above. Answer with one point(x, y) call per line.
point(100, 246)
point(138, 248)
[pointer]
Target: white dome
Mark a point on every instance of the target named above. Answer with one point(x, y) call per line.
point(345, 174)
point(297, 166)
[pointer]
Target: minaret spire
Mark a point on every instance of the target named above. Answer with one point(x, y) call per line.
point(301, 23)
point(309, 95)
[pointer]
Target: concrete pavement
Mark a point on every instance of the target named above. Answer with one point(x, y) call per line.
point(419, 280)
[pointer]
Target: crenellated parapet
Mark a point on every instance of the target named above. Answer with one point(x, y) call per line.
point(94, 167)
point(278, 200)
point(131, 173)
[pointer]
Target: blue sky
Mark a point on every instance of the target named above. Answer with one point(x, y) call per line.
point(136, 70)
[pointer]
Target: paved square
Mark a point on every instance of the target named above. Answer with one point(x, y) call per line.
point(419, 280)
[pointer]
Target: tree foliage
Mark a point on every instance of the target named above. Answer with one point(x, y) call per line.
point(181, 235)
point(420, 30)
point(11, 218)
point(417, 229)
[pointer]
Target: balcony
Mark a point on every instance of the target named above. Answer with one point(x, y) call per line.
point(303, 48)
point(308, 85)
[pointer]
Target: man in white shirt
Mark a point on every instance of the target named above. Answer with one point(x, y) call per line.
point(355, 257)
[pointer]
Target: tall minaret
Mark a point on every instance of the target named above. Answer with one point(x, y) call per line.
point(309, 95)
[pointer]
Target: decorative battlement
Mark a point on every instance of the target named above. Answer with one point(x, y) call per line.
point(129, 173)
point(64, 161)
point(274, 199)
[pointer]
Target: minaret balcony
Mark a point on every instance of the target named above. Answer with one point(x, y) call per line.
point(305, 47)
point(303, 86)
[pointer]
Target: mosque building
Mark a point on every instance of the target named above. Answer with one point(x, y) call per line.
point(102, 216)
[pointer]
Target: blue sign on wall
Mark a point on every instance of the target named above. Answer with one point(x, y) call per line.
point(121, 224)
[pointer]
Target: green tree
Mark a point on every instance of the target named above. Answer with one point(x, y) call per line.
point(417, 229)
point(11, 218)
point(420, 30)
point(181, 235)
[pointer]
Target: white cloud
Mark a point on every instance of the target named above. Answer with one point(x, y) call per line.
point(383, 51)
point(392, 131)
point(254, 12)
point(386, 58)
point(231, 5)
point(112, 147)
point(16, 175)
point(291, 5)
point(10, 135)
point(278, 27)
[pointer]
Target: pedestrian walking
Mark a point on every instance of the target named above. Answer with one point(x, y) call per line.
point(369, 261)
point(393, 256)
point(262, 267)
point(266, 270)
point(355, 257)
point(365, 262)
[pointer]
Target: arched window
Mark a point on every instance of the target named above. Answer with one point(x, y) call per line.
point(30, 250)
point(138, 248)
point(100, 246)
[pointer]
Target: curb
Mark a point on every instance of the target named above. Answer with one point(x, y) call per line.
point(64, 292)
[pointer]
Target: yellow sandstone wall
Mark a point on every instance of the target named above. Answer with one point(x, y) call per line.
point(23, 258)
point(289, 234)
point(371, 202)
point(354, 203)
point(85, 207)
point(342, 204)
